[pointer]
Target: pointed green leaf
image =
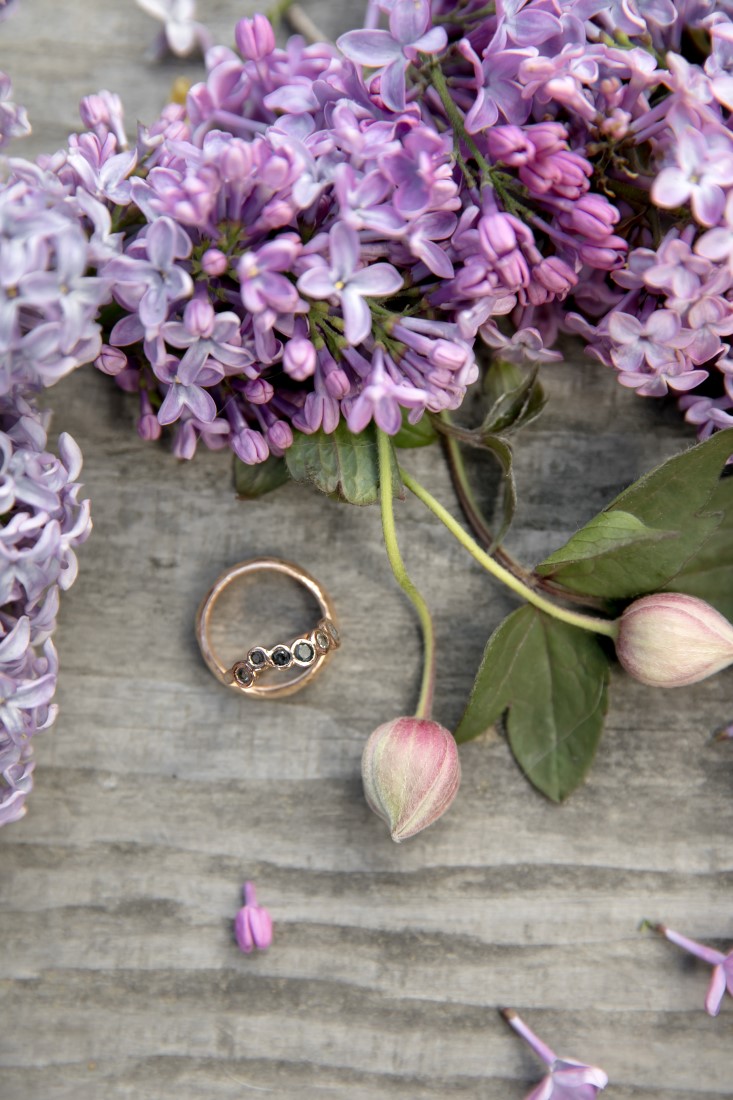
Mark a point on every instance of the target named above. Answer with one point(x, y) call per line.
point(340, 464)
point(516, 398)
point(606, 533)
point(251, 482)
point(502, 451)
point(674, 503)
point(552, 678)
point(709, 573)
point(421, 434)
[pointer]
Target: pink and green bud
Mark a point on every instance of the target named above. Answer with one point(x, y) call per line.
point(670, 639)
point(411, 774)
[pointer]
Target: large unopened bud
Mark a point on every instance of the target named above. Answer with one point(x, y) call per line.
point(411, 774)
point(670, 639)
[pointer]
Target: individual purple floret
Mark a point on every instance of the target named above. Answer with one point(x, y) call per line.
point(252, 924)
point(567, 1080)
point(722, 975)
point(13, 118)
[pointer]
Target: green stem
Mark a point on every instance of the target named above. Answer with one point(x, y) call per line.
point(425, 702)
point(456, 119)
point(475, 518)
point(277, 10)
point(573, 618)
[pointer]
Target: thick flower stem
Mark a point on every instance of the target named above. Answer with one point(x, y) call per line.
point(573, 618)
point(427, 687)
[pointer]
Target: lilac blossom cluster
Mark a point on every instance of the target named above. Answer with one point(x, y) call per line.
point(41, 522)
point(324, 232)
point(48, 307)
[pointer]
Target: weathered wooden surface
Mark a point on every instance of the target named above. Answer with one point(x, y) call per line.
point(159, 792)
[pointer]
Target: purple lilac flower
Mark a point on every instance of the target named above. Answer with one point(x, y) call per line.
point(252, 924)
point(181, 34)
point(567, 1079)
point(722, 975)
point(391, 52)
point(13, 118)
point(43, 523)
point(348, 283)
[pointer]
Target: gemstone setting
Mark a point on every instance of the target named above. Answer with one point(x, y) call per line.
point(322, 641)
point(257, 658)
point(281, 656)
point(303, 652)
point(335, 636)
point(244, 676)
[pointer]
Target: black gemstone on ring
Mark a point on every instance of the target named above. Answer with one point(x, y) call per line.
point(304, 652)
point(257, 658)
point(243, 676)
point(281, 656)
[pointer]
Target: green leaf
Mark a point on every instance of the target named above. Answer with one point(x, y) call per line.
point(516, 398)
point(502, 451)
point(709, 573)
point(251, 482)
point(645, 538)
point(341, 464)
point(421, 434)
point(552, 678)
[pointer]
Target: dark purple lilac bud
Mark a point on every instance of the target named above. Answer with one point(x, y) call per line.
point(214, 262)
point(252, 924)
point(411, 774)
point(111, 360)
point(255, 37)
point(250, 446)
point(670, 639)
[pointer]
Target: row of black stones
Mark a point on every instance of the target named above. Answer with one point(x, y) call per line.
point(302, 652)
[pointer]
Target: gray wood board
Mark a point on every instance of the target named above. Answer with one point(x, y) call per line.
point(159, 792)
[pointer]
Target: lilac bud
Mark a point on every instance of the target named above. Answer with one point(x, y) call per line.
point(279, 436)
point(411, 774)
point(148, 425)
point(255, 37)
point(670, 639)
point(214, 262)
point(252, 924)
point(299, 359)
point(259, 391)
point(111, 360)
point(198, 317)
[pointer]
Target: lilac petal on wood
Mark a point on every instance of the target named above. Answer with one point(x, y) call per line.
point(716, 991)
point(15, 644)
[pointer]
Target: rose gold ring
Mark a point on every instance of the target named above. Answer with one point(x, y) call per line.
point(296, 662)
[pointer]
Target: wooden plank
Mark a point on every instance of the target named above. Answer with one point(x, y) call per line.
point(158, 792)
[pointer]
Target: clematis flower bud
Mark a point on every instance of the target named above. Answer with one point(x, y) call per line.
point(252, 924)
point(411, 774)
point(670, 639)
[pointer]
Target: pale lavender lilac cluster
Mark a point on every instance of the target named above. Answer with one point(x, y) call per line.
point(323, 233)
point(48, 307)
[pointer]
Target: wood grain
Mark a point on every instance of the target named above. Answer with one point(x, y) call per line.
point(158, 792)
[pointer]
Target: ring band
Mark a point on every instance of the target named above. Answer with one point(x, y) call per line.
point(307, 652)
